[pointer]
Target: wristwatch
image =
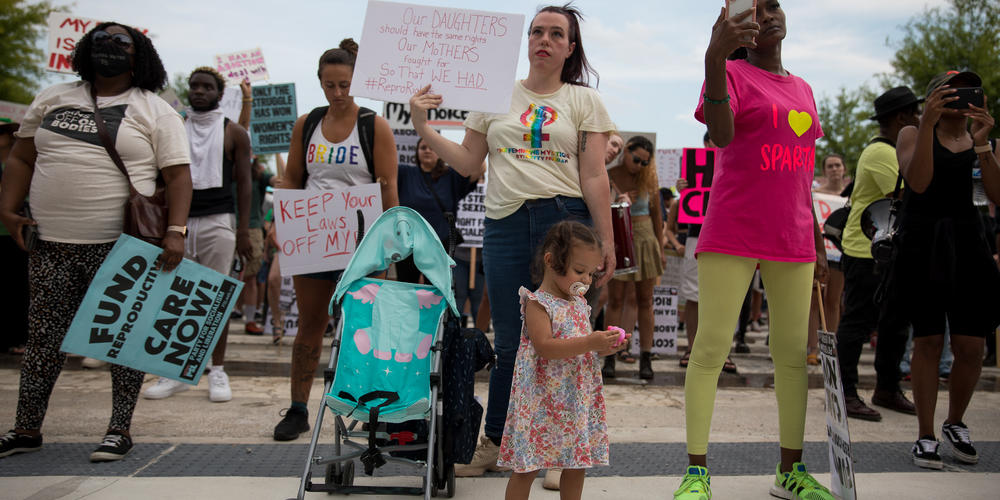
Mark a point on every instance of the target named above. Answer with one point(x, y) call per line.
point(179, 229)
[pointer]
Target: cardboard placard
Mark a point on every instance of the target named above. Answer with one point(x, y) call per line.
point(318, 230)
point(664, 322)
point(232, 103)
point(272, 118)
point(162, 323)
point(838, 435)
point(289, 310)
point(12, 112)
point(173, 100)
point(472, 217)
point(398, 116)
point(824, 205)
point(698, 167)
point(468, 56)
point(248, 64)
point(668, 166)
point(65, 30)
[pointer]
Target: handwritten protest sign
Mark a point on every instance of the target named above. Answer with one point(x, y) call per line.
point(398, 116)
point(65, 30)
point(468, 56)
point(162, 323)
point(317, 230)
point(824, 205)
point(839, 437)
point(698, 168)
point(247, 64)
point(273, 117)
point(668, 166)
point(664, 322)
point(472, 217)
point(12, 112)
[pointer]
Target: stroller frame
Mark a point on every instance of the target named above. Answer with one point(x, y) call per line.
point(339, 473)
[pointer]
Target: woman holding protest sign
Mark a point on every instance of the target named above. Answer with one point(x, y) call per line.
point(340, 126)
point(531, 188)
point(77, 200)
point(634, 180)
point(765, 122)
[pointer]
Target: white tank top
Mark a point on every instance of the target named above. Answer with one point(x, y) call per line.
point(335, 166)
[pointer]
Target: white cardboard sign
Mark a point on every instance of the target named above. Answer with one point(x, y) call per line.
point(317, 229)
point(12, 112)
point(236, 66)
point(471, 217)
point(398, 116)
point(668, 166)
point(824, 205)
point(838, 435)
point(468, 56)
point(664, 322)
point(65, 30)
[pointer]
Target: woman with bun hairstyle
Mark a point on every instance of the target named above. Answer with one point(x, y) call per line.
point(546, 165)
point(314, 163)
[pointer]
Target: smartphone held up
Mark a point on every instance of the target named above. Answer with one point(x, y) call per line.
point(736, 7)
point(966, 96)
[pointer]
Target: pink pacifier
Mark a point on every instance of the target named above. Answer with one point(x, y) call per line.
point(578, 288)
point(621, 335)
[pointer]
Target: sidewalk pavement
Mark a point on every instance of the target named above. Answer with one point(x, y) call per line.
point(188, 447)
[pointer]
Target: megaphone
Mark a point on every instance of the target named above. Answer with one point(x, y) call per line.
point(878, 223)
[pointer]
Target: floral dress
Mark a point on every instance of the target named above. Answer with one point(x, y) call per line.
point(556, 416)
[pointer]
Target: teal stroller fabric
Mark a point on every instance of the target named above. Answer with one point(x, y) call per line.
point(388, 327)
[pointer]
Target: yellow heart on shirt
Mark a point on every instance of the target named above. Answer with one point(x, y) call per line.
point(800, 121)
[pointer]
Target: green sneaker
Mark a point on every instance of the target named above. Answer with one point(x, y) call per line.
point(798, 485)
point(697, 485)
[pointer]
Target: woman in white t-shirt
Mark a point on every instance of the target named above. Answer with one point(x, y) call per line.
point(546, 164)
point(77, 201)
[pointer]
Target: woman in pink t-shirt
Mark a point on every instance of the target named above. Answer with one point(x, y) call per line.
point(765, 123)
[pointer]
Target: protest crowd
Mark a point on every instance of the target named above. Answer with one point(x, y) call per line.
point(576, 237)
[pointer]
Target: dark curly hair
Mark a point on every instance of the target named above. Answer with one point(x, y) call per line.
point(560, 240)
point(147, 73)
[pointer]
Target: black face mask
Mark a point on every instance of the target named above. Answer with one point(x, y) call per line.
point(110, 60)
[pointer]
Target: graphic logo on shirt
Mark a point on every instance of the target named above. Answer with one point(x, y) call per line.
point(333, 155)
point(79, 124)
point(535, 118)
point(800, 121)
point(786, 157)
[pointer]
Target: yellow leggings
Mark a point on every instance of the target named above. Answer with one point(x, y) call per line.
point(722, 283)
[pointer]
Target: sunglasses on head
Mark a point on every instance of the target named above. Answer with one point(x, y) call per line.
point(640, 162)
point(121, 39)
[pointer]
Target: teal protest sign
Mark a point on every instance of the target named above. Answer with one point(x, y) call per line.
point(273, 117)
point(138, 316)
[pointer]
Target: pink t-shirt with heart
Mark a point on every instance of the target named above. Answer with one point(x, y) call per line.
point(761, 202)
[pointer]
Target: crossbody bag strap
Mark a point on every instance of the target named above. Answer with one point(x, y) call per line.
point(109, 146)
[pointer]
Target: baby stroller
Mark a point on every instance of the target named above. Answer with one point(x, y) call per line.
point(385, 367)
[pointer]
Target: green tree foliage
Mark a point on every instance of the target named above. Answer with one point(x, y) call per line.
point(965, 35)
point(179, 84)
point(21, 61)
point(846, 126)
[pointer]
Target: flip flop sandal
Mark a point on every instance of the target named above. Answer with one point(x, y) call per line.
point(729, 366)
point(625, 357)
point(685, 358)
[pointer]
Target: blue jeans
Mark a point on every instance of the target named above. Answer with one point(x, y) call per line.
point(509, 245)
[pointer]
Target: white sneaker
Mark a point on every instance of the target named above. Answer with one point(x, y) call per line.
point(164, 388)
point(92, 363)
point(218, 386)
point(485, 459)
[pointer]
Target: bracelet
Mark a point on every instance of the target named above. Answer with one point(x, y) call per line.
point(985, 148)
point(715, 101)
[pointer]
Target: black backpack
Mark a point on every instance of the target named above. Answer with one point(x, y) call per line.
point(366, 135)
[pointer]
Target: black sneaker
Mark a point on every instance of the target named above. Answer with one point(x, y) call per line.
point(13, 442)
point(925, 453)
point(961, 446)
point(114, 447)
point(295, 422)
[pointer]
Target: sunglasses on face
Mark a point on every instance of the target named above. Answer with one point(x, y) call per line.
point(640, 162)
point(121, 39)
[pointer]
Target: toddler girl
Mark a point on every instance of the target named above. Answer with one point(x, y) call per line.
point(556, 417)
